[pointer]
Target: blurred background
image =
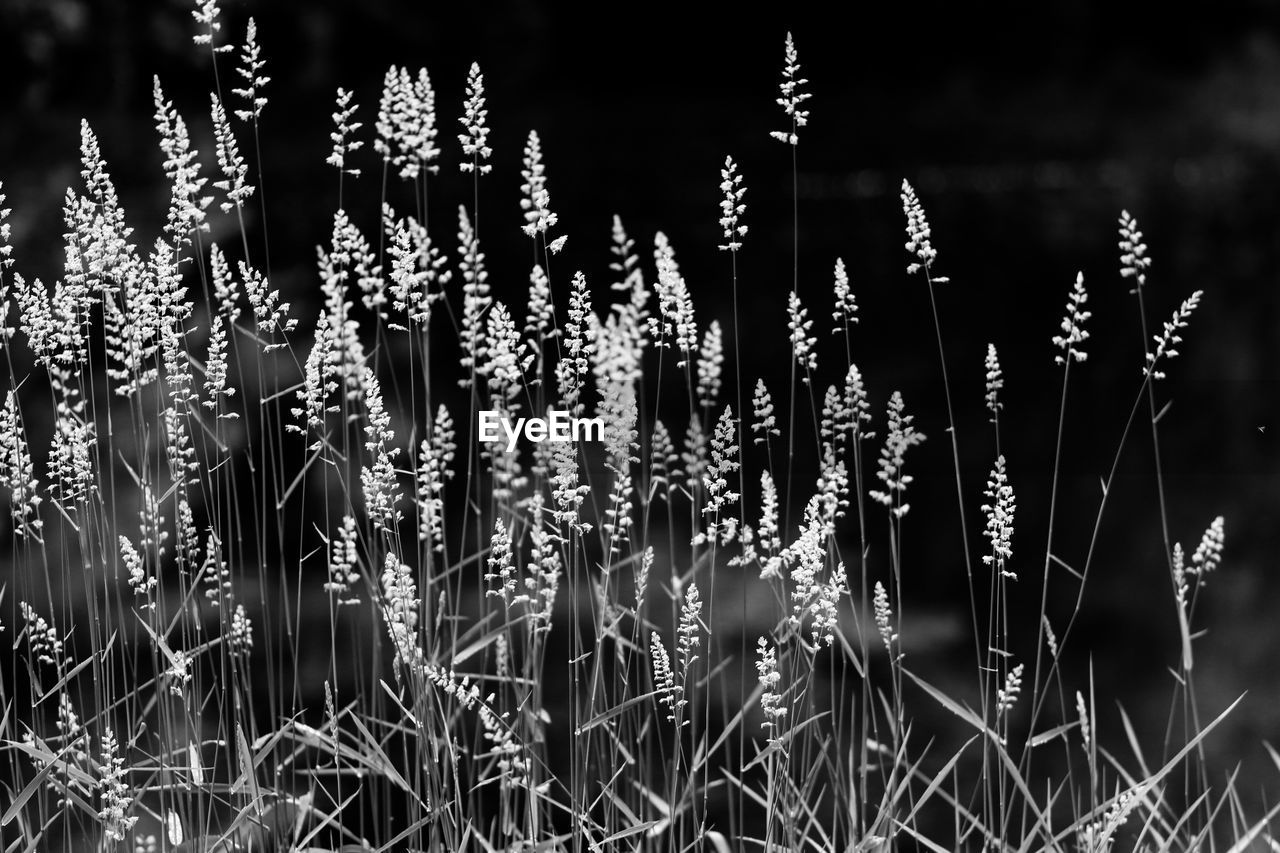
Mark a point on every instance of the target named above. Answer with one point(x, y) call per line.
point(1025, 128)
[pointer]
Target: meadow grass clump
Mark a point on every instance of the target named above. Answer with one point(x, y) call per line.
point(270, 590)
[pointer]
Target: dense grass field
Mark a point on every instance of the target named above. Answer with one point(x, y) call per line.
point(270, 587)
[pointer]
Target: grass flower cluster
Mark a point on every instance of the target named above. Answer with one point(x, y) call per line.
point(268, 590)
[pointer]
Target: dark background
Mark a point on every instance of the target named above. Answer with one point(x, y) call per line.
point(1025, 129)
